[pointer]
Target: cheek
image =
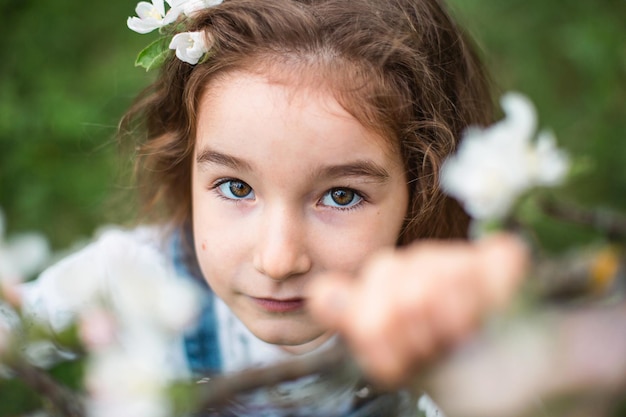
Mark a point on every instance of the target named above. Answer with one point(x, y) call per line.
point(215, 241)
point(214, 263)
point(210, 250)
point(221, 243)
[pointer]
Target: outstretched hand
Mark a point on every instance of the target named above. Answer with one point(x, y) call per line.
point(408, 306)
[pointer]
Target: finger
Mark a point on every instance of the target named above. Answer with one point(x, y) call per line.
point(329, 296)
point(504, 260)
point(387, 327)
point(455, 316)
point(381, 363)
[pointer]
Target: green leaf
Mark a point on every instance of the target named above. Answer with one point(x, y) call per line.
point(70, 373)
point(69, 338)
point(16, 398)
point(155, 54)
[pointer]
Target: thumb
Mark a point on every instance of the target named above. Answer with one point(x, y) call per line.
point(505, 262)
point(329, 297)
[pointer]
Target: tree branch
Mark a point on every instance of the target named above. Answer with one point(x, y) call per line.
point(219, 390)
point(612, 224)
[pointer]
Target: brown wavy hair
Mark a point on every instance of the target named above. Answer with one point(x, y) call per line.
point(402, 68)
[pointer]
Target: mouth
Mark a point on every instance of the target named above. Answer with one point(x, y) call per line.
point(273, 305)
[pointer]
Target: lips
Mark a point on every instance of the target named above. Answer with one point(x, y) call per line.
point(273, 305)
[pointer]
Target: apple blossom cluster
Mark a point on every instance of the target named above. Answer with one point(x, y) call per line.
point(494, 166)
point(190, 47)
point(120, 297)
point(128, 305)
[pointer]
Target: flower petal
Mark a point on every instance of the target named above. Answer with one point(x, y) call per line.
point(552, 163)
point(29, 252)
point(140, 26)
point(159, 6)
point(171, 15)
point(521, 116)
point(146, 10)
point(189, 46)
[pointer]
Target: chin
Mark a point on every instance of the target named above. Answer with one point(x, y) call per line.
point(290, 336)
point(285, 338)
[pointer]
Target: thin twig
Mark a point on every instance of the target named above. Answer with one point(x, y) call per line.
point(610, 223)
point(219, 390)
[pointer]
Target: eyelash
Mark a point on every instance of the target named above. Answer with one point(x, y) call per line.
point(215, 187)
point(358, 194)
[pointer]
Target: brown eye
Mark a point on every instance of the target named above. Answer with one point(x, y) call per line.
point(235, 189)
point(239, 189)
point(341, 198)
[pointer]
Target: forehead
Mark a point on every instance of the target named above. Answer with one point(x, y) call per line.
point(241, 103)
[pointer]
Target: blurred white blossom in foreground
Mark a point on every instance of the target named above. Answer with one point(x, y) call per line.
point(129, 278)
point(496, 165)
point(128, 382)
point(21, 255)
point(128, 305)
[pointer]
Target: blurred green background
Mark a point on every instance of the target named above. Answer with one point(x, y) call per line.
point(66, 76)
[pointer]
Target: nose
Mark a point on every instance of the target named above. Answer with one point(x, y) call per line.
point(281, 250)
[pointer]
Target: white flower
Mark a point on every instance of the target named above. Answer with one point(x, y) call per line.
point(190, 46)
point(151, 16)
point(96, 328)
point(144, 290)
point(128, 382)
point(79, 280)
point(494, 166)
point(551, 165)
point(189, 7)
point(140, 304)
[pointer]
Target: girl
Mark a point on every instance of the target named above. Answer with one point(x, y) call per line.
point(292, 150)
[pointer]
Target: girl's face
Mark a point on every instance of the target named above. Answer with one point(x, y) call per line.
point(286, 184)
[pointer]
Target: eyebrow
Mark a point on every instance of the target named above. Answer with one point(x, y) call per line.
point(360, 168)
point(208, 156)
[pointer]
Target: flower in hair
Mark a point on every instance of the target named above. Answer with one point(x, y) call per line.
point(189, 7)
point(151, 16)
point(189, 46)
